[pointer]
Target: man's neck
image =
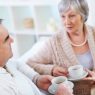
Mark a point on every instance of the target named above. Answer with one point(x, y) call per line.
point(2, 63)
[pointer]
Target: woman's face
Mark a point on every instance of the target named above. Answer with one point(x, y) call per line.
point(72, 21)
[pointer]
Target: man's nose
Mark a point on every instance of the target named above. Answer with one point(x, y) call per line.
point(11, 40)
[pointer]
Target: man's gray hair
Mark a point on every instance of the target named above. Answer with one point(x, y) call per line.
point(1, 21)
point(80, 6)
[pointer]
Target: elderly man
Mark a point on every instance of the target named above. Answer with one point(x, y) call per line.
point(16, 83)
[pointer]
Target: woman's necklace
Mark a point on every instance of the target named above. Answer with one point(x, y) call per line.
point(79, 45)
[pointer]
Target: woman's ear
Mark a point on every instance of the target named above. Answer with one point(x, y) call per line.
point(94, 28)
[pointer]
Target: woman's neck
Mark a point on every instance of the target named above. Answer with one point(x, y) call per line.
point(77, 37)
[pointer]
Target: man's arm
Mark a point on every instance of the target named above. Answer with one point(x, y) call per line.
point(42, 81)
point(27, 70)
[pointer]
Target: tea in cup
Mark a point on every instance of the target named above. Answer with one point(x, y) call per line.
point(76, 71)
point(58, 80)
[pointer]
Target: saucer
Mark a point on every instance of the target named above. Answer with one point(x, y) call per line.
point(53, 89)
point(79, 78)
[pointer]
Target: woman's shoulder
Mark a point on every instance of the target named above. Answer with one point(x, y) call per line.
point(58, 34)
point(91, 27)
point(91, 30)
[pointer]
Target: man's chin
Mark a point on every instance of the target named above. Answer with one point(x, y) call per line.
point(69, 31)
point(11, 55)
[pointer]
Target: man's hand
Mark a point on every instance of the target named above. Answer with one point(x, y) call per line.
point(44, 81)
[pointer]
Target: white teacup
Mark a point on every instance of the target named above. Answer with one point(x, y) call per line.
point(76, 71)
point(57, 81)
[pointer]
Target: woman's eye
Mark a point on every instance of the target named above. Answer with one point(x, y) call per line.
point(72, 15)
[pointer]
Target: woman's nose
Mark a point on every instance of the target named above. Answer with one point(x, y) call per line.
point(67, 20)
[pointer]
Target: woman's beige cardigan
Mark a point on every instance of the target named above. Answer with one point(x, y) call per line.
point(58, 51)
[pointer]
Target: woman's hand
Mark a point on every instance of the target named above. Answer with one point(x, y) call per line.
point(59, 71)
point(64, 90)
point(91, 76)
point(91, 73)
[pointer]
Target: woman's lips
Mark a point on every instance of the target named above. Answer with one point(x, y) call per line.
point(69, 28)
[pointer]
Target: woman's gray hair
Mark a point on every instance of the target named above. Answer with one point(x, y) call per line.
point(80, 6)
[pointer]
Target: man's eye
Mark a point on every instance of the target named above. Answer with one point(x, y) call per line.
point(63, 16)
point(6, 38)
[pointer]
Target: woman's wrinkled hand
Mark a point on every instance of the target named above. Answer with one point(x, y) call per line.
point(91, 76)
point(59, 71)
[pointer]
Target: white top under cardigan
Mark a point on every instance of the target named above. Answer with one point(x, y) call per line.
point(86, 60)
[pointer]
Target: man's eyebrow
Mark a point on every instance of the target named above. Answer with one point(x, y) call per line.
point(6, 38)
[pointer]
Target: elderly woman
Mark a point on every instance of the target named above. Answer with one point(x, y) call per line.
point(73, 44)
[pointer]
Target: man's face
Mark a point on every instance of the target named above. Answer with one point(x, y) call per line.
point(5, 44)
